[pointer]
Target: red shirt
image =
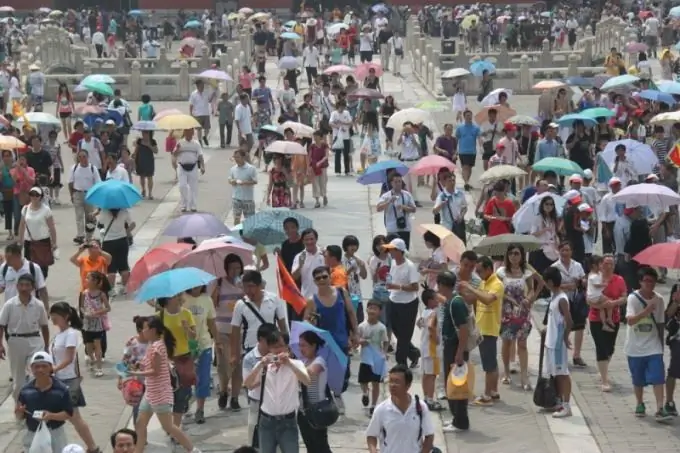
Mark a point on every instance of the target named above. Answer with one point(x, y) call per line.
point(614, 290)
point(76, 137)
point(344, 41)
point(498, 208)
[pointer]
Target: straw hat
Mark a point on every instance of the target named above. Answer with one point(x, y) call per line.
point(35, 66)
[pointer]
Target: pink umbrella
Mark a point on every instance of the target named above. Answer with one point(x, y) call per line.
point(365, 93)
point(215, 74)
point(430, 165)
point(339, 68)
point(84, 110)
point(210, 257)
point(164, 113)
point(364, 69)
point(635, 47)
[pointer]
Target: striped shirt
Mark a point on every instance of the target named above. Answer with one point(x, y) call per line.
point(158, 388)
point(661, 148)
point(224, 310)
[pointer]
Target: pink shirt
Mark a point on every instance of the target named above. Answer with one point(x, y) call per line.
point(510, 151)
point(246, 80)
point(158, 388)
point(23, 183)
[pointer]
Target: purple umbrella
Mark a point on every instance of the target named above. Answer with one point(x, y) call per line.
point(215, 74)
point(636, 47)
point(200, 224)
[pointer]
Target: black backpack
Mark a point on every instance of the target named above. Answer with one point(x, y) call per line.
point(31, 270)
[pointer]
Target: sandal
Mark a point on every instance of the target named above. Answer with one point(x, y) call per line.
point(506, 380)
point(527, 387)
point(434, 406)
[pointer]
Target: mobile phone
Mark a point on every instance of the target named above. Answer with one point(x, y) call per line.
point(275, 359)
point(38, 415)
point(86, 246)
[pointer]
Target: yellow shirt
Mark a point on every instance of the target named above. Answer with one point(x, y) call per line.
point(202, 309)
point(488, 317)
point(173, 322)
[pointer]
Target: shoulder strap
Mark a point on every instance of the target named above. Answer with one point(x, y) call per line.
point(254, 310)
point(4, 270)
point(644, 304)
point(419, 411)
point(31, 269)
point(108, 227)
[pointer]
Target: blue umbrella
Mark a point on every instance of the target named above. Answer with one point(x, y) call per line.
point(380, 8)
point(674, 12)
point(604, 173)
point(377, 173)
point(110, 114)
point(135, 12)
point(657, 96)
point(193, 24)
point(336, 360)
point(271, 129)
point(172, 282)
point(290, 23)
point(579, 81)
point(618, 81)
point(568, 120)
point(290, 35)
point(598, 112)
point(478, 67)
point(266, 227)
point(668, 86)
point(144, 126)
point(374, 359)
point(113, 194)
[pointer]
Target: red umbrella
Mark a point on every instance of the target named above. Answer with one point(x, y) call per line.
point(645, 14)
point(660, 255)
point(156, 260)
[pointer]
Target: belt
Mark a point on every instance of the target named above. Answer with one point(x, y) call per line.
point(24, 335)
point(287, 416)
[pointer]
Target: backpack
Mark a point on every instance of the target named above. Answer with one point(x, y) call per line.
point(474, 336)
point(419, 411)
point(31, 269)
point(76, 166)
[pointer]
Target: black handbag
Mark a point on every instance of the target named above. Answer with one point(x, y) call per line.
point(545, 391)
point(255, 441)
point(322, 414)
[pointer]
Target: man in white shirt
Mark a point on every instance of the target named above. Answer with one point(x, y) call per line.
point(651, 31)
point(200, 106)
point(396, 44)
point(607, 213)
point(13, 267)
point(366, 40)
point(243, 178)
point(402, 284)
point(115, 170)
point(306, 261)
point(280, 399)
point(402, 423)
point(99, 41)
point(243, 117)
point(341, 122)
point(310, 60)
point(189, 155)
point(380, 22)
point(83, 176)
point(94, 148)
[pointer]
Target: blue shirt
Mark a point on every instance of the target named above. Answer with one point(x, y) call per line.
point(546, 148)
point(467, 135)
point(55, 399)
point(528, 193)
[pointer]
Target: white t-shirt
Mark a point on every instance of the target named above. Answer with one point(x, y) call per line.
point(380, 23)
point(311, 57)
point(117, 229)
point(340, 132)
point(14, 88)
point(404, 274)
point(94, 149)
point(200, 102)
point(316, 390)
point(652, 27)
point(245, 172)
point(400, 430)
point(555, 329)
point(98, 39)
point(424, 322)
point(36, 222)
point(573, 273)
point(59, 349)
point(642, 339)
point(312, 261)
point(271, 310)
point(242, 116)
point(11, 276)
point(366, 42)
point(119, 173)
point(595, 287)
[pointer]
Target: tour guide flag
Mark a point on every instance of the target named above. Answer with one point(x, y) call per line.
point(288, 290)
point(674, 156)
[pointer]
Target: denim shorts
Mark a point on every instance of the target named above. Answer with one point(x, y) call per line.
point(648, 370)
point(144, 406)
point(203, 368)
point(488, 351)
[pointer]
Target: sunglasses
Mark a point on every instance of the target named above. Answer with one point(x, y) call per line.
point(321, 277)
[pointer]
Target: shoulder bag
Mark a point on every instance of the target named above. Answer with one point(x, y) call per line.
point(40, 252)
point(487, 146)
point(185, 368)
point(322, 414)
point(545, 391)
point(255, 441)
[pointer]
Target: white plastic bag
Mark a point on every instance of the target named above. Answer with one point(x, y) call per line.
point(42, 441)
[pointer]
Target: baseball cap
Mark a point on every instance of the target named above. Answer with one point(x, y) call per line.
point(553, 126)
point(651, 177)
point(73, 448)
point(42, 357)
point(397, 244)
point(614, 180)
point(36, 190)
point(110, 122)
point(585, 207)
point(573, 196)
point(576, 178)
point(587, 173)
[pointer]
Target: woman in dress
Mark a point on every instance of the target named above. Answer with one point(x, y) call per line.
point(387, 109)
point(94, 305)
point(65, 109)
point(37, 231)
point(521, 288)
point(545, 228)
point(16, 94)
point(278, 190)
point(143, 156)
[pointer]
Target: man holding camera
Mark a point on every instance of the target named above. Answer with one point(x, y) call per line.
point(397, 204)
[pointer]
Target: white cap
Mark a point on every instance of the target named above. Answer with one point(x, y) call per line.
point(572, 194)
point(576, 178)
point(587, 173)
point(37, 190)
point(651, 177)
point(397, 244)
point(73, 448)
point(585, 207)
point(554, 126)
point(614, 180)
point(110, 122)
point(42, 357)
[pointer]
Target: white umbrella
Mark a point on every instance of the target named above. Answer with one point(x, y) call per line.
point(300, 130)
point(415, 116)
point(666, 118)
point(650, 195)
point(640, 155)
point(334, 29)
point(492, 98)
point(228, 240)
point(287, 63)
point(286, 147)
point(526, 215)
point(501, 172)
point(455, 72)
point(6, 9)
point(39, 118)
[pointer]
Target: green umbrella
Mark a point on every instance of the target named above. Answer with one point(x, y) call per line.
point(498, 245)
point(598, 112)
point(560, 165)
point(98, 87)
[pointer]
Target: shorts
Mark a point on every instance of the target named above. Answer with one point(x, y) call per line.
point(467, 160)
point(245, 208)
point(488, 155)
point(56, 178)
point(430, 365)
point(366, 55)
point(674, 366)
point(223, 357)
point(144, 406)
point(366, 374)
point(648, 370)
point(90, 336)
point(75, 391)
point(36, 100)
point(488, 351)
point(118, 249)
point(181, 400)
point(204, 121)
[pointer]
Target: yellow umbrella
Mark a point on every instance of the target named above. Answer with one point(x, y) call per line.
point(468, 20)
point(549, 85)
point(259, 16)
point(172, 122)
point(451, 244)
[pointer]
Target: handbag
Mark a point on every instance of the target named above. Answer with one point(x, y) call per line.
point(255, 441)
point(322, 414)
point(40, 252)
point(184, 365)
point(545, 391)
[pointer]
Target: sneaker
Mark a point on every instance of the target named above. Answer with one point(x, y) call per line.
point(483, 401)
point(340, 403)
point(199, 417)
point(671, 409)
point(205, 140)
point(562, 412)
point(441, 395)
point(222, 400)
point(234, 405)
point(662, 416)
point(449, 428)
point(99, 372)
point(78, 240)
point(579, 363)
point(640, 410)
point(195, 450)
point(364, 400)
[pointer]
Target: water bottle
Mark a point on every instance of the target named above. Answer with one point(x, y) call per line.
point(56, 254)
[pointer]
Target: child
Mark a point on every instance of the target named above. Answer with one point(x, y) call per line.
point(127, 160)
point(372, 334)
point(594, 293)
point(429, 343)
point(146, 112)
point(94, 306)
point(57, 165)
point(170, 145)
point(370, 147)
point(459, 101)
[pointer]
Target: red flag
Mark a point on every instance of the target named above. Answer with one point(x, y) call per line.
point(288, 290)
point(674, 156)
